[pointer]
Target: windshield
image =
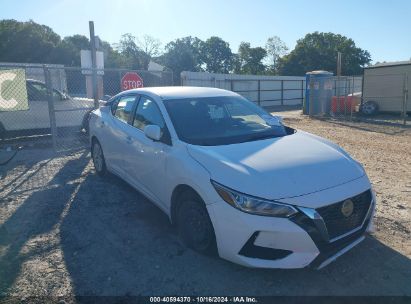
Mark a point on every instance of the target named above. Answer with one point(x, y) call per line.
point(214, 121)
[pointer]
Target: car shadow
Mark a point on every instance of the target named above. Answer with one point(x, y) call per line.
point(39, 213)
point(115, 242)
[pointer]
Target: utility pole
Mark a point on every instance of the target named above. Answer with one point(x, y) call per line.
point(339, 55)
point(93, 63)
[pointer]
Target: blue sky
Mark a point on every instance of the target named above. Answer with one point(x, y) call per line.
point(379, 26)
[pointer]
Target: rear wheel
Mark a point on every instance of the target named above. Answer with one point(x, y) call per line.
point(194, 224)
point(369, 108)
point(98, 158)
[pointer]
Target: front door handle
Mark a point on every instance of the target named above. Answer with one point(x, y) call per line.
point(129, 140)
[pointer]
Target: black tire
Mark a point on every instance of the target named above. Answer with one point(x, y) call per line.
point(2, 132)
point(98, 158)
point(369, 108)
point(194, 224)
point(85, 122)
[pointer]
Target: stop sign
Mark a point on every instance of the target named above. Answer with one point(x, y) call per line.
point(131, 81)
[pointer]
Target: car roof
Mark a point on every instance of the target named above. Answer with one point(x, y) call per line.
point(34, 81)
point(179, 92)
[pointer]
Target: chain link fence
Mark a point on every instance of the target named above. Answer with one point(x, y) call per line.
point(372, 98)
point(270, 92)
point(49, 104)
point(346, 97)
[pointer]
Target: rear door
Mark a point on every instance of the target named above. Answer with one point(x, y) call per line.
point(37, 117)
point(114, 141)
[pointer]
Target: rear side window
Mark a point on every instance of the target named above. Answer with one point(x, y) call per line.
point(123, 107)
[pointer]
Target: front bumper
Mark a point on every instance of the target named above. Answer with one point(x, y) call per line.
point(269, 242)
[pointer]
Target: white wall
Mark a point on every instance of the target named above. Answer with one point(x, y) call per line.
point(247, 85)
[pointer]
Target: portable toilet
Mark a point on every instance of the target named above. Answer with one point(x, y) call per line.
point(318, 92)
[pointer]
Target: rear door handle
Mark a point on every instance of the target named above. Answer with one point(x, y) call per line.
point(129, 140)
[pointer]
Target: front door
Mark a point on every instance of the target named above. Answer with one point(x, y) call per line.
point(147, 161)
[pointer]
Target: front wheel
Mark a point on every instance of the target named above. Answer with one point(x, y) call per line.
point(98, 158)
point(194, 225)
point(85, 122)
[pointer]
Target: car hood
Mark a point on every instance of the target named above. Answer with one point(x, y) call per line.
point(277, 168)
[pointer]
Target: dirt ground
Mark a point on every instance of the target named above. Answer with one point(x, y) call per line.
point(65, 231)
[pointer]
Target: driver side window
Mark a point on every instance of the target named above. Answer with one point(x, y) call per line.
point(123, 107)
point(36, 92)
point(148, 113)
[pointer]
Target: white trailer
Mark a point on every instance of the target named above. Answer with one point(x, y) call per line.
point(385, 87)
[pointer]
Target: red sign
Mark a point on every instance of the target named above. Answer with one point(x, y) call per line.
point(131, 81)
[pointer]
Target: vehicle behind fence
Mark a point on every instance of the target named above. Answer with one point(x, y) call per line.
point(369, 98)
point(51, 103)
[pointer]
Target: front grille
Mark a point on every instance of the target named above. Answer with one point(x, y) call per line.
point(337, 224)
point(327, 249)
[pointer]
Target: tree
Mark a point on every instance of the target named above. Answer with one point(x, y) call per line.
point(68, 50)
point(182, 54)
point(318, 51)
point(249, 60)
point(149, 45)
point(131, 55)
point(80, 42)
point(112, 58)
point(275, 48)
point(27, 42)
point(216, 55)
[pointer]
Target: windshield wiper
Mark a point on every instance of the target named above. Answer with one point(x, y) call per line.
point(262, 136)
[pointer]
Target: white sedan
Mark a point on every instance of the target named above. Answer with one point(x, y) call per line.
point(234, 180)
point(69, 112)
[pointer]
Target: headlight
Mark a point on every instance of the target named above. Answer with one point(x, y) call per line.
point(252, 204)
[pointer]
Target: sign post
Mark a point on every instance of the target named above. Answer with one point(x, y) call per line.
point(130, 81)
point(93, 63)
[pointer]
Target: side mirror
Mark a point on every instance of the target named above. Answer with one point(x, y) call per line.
point(102, 103)
point(153, 132)
point(105, 109)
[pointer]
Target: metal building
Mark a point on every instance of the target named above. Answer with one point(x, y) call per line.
point(386, 85)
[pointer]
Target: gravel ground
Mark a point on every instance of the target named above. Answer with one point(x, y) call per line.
point(65, 231)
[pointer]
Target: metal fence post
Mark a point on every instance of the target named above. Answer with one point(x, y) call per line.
point(335, 86)
point(345, 97)
point(94, 63)
point(52, 114)
point(352, 96)
point(404, 104)
point(258, 96)
point(282, 92)
point(302, 92)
